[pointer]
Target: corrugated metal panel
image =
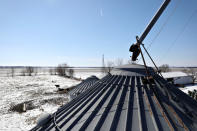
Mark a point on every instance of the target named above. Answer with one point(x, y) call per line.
point(83, 86)
point(124, 102)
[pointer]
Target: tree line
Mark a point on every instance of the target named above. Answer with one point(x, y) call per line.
point(61, 70)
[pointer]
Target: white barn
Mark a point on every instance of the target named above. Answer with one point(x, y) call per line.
point(178, 77)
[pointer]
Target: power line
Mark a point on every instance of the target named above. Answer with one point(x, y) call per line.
point(164, 24)
point(162, 27)
point(180, 33)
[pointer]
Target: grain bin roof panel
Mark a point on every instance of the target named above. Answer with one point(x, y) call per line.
point(123, 102)
point(131, 70)
point(83, 86)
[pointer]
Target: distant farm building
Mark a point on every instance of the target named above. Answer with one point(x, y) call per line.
point(178, 77)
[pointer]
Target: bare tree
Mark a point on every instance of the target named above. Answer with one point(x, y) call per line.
point(185, 70)
point(8, 73)
point(55, 71)
point(131, 62)
point(35, 71)
point(62, 69)
point(23, 72)
point(190, 71)
point(29, 70)
point(52, 71)
point(119, 62)
point(164, 68)
point(71, 73)
point(103, 69)
point(12, 71)
point(109, 67)
point(193, 94)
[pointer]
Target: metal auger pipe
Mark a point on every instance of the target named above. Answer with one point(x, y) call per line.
point(154, 20)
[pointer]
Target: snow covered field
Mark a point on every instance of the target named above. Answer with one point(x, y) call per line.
point(189, 88)
point(39, 91)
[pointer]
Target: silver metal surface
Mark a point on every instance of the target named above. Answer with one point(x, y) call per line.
point(125, 103)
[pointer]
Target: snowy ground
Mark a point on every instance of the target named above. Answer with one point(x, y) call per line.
point(40, 90)
point(189, 88)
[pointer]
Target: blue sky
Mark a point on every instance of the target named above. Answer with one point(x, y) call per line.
point(78, 32)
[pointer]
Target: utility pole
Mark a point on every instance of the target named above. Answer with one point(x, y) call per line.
point(103, 64)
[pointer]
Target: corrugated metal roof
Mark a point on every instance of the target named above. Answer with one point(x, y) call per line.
point(125, 102)
point(83, 86)
point(174, 74)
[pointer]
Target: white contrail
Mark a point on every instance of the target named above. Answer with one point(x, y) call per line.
point(101, 12)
